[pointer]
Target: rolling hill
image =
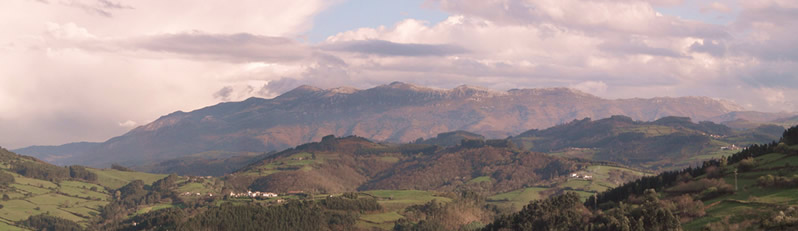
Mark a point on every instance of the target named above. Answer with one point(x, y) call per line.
point(666, 143)
point(31, 187)
point(396, 112)
point(337, 165)
point(754, 189)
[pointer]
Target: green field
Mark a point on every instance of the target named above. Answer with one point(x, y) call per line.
point(394, 202)
point(72, 200)
point(648, 130)
point(517, 199)
point(115, 179)
point(153, 208)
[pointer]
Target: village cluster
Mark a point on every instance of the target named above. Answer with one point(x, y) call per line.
point(249, 194)
point(581, 176)
point(255, 194)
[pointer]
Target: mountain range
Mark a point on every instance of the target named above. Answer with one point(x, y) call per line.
point(396, 112)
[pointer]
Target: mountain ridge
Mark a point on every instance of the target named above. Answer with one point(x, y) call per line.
point(395, 112)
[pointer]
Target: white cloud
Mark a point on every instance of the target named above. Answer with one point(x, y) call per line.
point(592, 87)
point(70, 70)
point(68, 64)
point(128, 124)
point(717, 7)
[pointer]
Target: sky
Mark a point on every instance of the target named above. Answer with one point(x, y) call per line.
point(88, 70)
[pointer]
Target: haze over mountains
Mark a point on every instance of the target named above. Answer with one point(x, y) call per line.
point(396, 112)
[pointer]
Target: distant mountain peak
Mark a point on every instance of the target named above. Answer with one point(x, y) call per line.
point(307, 88)
point(343, 90)
point(404, 86)
point(394, 112)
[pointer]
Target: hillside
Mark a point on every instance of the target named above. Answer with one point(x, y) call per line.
point(211, 163)
point(470, 182)
point(666, 143)
point(337, 165)
point(30, 187)
point(753, 189)
point(381, 113)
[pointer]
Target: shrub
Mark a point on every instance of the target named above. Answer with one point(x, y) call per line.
point(747, 164)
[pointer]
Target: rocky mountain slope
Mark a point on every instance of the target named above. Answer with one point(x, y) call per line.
point(396, 112)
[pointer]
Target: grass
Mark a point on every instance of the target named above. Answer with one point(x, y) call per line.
point(778, 163)
point(153, 208)
point(30, 189)
point(393, 200)
point(194, 188)
point(33, 182)
point(751, 201)
point(65, 199)
point(82, 189)
point(15, 210)
point(115, 179)
point(648, 130)
point(519, 198)
point(8, 227)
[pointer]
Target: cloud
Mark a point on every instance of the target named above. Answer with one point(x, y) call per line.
point(717, 7)
point(240, 47)
point(98, 7)
point(387, 48)
point(67, 74)
point(224, 93)
point(712, 47)
point(63, 69)
point(128, 124)
point(636, 47)
point(624, 16)
point(593, 87)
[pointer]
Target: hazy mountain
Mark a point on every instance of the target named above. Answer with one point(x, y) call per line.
point(666, 143)
point(396, 112)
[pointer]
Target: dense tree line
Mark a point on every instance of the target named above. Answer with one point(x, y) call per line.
point(120, 168)
point(44, 171)
point(40, 171)
point(466, 211)
point(6, 179)
point(294, 215)
point(351, 202)
point(49, 223)
point(136, 193)
point(566, 212)
point(790, 136)
point(80, 172)
point(159, 220)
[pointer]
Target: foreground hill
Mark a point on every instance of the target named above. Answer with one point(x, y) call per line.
point(666, 143)
point(30, 187)
point(396, 112)
point(751, 190)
